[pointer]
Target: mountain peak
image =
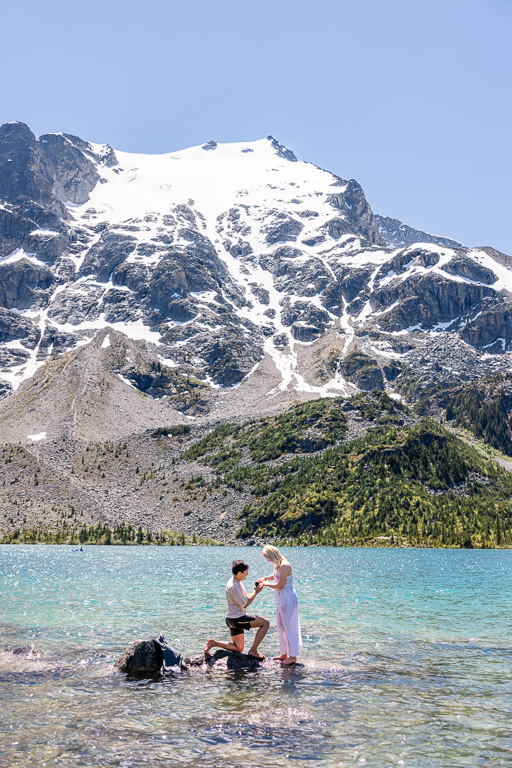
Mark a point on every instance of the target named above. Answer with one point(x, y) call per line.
point(281, 150)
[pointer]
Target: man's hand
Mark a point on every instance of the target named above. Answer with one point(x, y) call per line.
point(258, 587)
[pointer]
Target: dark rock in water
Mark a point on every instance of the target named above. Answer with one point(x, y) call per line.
point(26, 651)
point(227, 660)
point(149, 657)
point(140, 658)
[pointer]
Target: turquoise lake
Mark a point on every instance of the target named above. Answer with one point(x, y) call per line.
point(407, 660)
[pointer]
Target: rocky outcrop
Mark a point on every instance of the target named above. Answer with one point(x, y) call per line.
point(426, 301)
point(14, 326)
point(109, 252)
point(45, 244)
point(363, 371)
point(14, 229)
point(399, 235)
point(283, 229)
point(463, 266)
point(491, 329)
point(230, 357)
point(74, 175)
point(25, 171)
point(306, 320)
point(357, 212)
point(281, 150)
point(22, 283)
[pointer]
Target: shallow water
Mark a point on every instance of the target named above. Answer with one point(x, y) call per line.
point(407, 660)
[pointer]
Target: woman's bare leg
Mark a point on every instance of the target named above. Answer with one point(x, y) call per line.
point(237, 645)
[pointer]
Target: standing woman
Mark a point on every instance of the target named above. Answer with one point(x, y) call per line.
point(287, 613)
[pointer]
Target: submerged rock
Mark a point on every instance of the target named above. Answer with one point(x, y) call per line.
point(227, 660)
point(26, 651)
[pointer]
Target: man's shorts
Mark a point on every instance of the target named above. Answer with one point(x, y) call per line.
point(238, 625)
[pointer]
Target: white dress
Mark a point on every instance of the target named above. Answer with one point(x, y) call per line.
point(287, 616)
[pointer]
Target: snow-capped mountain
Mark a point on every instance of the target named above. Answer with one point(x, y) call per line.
point(235, 267)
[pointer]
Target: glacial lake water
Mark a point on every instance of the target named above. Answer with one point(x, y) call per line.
point(407, 660)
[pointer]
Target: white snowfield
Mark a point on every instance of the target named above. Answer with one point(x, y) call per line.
point(137, 195)
point(38, 437)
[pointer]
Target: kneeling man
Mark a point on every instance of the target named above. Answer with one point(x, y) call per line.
point(236, 618)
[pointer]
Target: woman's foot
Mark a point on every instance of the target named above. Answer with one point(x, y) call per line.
point(256, 655)
point(280, 658)
point(290, 660)
point(208, 646)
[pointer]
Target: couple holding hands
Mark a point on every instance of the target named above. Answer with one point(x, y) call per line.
point(287, 610)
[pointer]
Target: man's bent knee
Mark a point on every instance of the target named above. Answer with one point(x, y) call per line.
point(238, 642)
point(260, 622)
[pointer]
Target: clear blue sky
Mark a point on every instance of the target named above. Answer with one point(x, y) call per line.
point(412, 98)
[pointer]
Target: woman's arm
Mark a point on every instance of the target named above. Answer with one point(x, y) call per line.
point(284, 572)
point(264, 579)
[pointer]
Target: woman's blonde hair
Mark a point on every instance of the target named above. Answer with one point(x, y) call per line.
point(272, 554)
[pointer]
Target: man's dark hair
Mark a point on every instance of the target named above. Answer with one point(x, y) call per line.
point(239, 566)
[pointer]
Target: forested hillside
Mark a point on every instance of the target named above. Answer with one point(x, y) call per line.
point(400, 483)
point(482, 407)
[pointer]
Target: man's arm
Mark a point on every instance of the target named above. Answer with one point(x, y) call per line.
point(253, 594)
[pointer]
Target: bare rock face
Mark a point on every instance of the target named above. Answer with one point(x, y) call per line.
point(14, 228)
point(399, 235)
point(22, 282)
point(363, 371)
point(465, 267)
point(25, 171)
point(14, 326)
point(357, 212)
point(74, 176)
point(427, 301)
point(492, 328)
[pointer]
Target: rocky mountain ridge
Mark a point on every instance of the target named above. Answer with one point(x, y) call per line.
point(221, 280)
